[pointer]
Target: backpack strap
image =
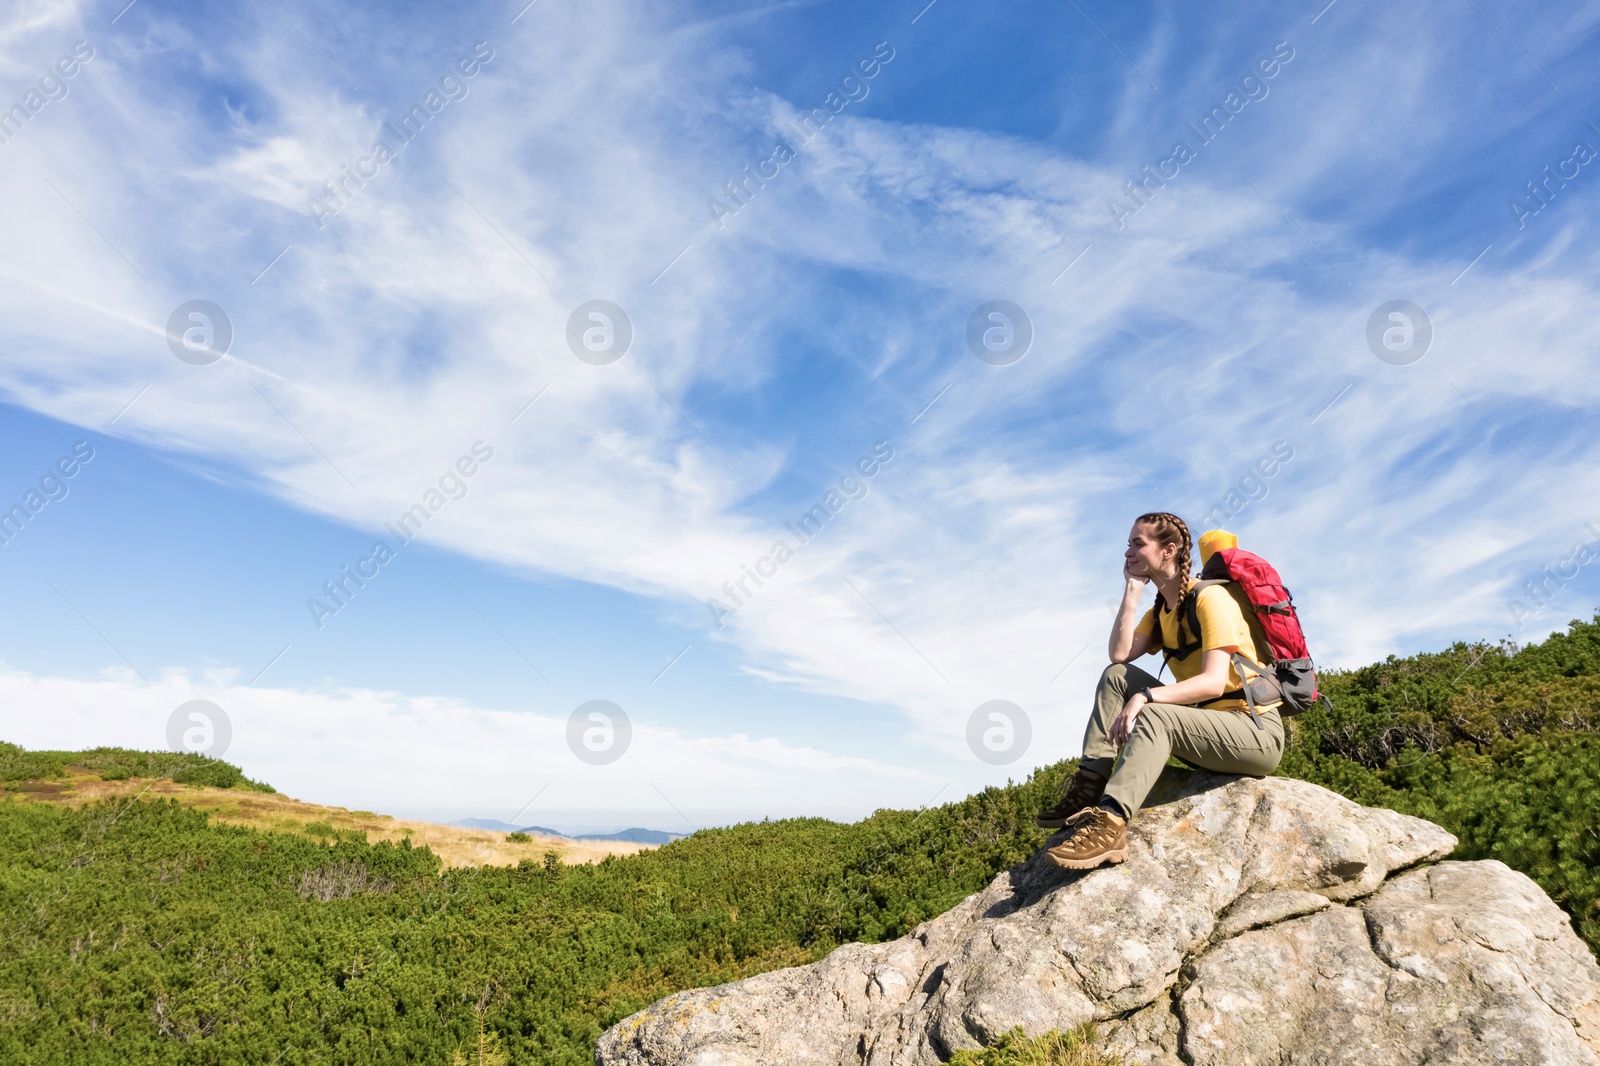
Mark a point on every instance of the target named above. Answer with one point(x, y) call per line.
point(1242, 663)
point(1284, 606)
point(1188, 609)
point(1184, 649)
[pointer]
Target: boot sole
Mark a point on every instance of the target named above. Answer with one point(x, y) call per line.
point(1102, 859)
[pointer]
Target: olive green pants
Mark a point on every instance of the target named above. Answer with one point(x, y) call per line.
point(1225, 741)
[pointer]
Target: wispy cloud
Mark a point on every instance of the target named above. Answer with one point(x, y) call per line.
point(440, 758)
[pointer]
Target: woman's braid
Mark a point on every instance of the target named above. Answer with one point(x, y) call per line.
point(1170, 529)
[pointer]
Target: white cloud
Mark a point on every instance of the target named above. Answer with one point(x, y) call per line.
point(441, 759)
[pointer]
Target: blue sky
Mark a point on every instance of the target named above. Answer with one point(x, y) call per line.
point(1177, 340)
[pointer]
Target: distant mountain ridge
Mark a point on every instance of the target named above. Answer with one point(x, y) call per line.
point(633, 835)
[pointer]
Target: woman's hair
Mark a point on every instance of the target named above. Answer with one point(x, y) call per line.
point(1170, 529)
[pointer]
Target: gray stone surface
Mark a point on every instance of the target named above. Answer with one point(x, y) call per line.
point(1256, 909)
point(1256, 921)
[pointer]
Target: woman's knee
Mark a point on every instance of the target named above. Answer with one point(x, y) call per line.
point(1263, 763)
point(1114, 676)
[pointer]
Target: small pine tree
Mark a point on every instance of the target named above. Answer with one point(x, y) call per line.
point(486, 1049)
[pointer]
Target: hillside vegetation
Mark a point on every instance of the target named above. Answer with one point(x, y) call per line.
point(140, 931)
point(41, 769)
point(227, 796)
point(1495, 744)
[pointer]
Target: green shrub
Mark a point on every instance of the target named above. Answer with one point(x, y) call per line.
point(518, 837)
point(18, 764)
point(119, 764)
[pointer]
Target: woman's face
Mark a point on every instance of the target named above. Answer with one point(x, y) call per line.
point(1145, 555)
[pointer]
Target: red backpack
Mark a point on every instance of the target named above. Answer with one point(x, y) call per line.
point(1290, 676)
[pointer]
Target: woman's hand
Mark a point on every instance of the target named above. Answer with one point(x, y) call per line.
point(1125, 644)
point(1136, 578)
point(1122, 728)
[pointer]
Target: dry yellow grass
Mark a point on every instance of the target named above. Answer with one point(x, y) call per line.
point(277, 812)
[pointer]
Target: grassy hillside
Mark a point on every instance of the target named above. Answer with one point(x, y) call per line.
point(223, 792)
point(41, 769)
point(143, 932)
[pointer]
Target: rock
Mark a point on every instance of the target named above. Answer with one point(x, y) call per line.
point(1256, 921)
point(1256, 909)
point(1461, 962)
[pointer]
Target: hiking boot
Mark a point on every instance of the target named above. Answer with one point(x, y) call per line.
point(1084, 790)
point(1097, 837)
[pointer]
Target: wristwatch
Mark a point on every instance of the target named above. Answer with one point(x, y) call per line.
point(1145, 692)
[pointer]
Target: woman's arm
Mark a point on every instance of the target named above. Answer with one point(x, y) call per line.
point(1126, 645)
point(1208, 684)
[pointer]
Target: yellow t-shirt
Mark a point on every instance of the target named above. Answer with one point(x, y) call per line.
point(1227, 621)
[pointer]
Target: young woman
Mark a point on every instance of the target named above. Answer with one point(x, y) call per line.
point(1201, 717)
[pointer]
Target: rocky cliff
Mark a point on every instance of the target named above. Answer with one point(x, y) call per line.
point(1256, 921)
